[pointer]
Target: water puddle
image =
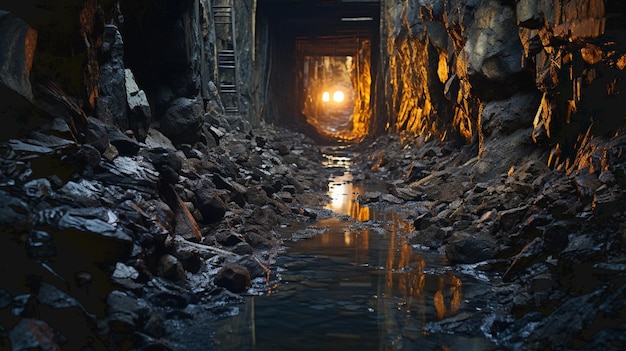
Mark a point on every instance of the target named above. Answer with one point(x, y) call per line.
point(356, 286)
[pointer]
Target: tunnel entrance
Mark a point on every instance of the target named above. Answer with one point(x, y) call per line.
point(320, 58)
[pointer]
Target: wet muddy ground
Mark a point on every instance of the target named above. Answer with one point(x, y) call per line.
point(352, 281)
point(350, 278)
point(266, 242)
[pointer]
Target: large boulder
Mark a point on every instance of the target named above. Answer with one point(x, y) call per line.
point(234, 277)
point(493, 52)
point(182, 121)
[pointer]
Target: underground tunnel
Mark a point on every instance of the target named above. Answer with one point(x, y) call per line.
point(322, 56)
point(312, 174)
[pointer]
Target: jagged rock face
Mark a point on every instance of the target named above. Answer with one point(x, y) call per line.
point(448, 59)
point(17, 57)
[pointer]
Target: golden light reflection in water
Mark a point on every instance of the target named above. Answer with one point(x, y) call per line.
point(404, 269)
point(406, 297)
point(344, 198)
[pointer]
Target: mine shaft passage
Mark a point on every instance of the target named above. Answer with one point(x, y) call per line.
point(321, 64)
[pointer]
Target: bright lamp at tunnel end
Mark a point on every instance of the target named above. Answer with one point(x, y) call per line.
point(338, 96)
point(326, 96)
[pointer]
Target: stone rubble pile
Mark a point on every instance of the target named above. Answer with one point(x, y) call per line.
point(554, 238)
point(105, 243)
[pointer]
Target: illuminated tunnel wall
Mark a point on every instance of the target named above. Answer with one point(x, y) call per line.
point(308, 49)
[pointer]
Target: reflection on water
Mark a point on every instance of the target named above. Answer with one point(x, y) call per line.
point(343, 197)
point(358, 286)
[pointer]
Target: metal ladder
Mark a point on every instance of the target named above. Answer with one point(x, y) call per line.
point(227, 70)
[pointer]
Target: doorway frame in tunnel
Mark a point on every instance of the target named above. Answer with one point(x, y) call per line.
point(291, 29)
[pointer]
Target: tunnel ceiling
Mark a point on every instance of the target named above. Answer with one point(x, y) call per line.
point(324, 27)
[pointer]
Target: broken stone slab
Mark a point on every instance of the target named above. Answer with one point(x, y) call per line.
point(112, 82)
point(27, 151)
point(140, 113)
point(404, 193)
point(130, 173)
point(85, 192)
point(123, 271)
point(155, 139)
point(391, 198)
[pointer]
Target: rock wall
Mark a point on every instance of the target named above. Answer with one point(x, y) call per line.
point(506, 75)
point(103, 105)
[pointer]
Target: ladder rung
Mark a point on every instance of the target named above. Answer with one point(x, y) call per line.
point(228, 90)
point(227, 59)
point(222, 13)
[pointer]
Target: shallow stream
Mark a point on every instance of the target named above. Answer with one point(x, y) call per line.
point(357, 285)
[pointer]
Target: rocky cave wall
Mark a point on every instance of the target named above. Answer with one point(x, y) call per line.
point(131, 64)
point(505, 75)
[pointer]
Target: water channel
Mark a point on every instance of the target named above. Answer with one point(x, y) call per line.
point(357, 285)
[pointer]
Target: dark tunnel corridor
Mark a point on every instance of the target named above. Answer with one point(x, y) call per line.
point(255, 175)
point(317, 48)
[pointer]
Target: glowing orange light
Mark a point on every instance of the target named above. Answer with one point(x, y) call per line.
point(326, 96)
point(338, 96)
